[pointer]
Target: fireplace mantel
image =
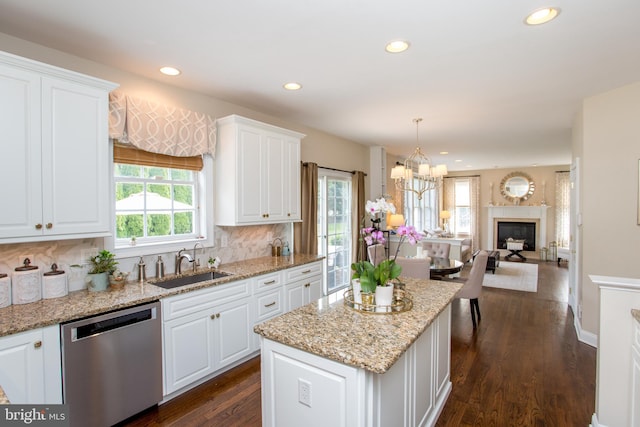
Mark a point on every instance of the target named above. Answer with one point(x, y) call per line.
point(533, 213)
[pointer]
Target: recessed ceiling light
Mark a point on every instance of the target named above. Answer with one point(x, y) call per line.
point(444, 152)
point(170, 71)
point(542, 16)
point(397, 46)
point(458, 160)
point(292, 86)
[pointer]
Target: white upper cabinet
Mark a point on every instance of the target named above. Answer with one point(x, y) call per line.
point(55, 151)
point(257, 173)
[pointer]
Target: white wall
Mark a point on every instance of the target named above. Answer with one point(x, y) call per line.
point(610, 152)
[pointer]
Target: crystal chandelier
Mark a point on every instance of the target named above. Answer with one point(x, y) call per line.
point(417, 174)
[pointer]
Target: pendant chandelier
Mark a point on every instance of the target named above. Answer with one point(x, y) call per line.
point(417, 174)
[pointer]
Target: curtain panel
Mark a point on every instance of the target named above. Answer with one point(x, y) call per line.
point(306, 232)
point(159, 128)
point(563, 204)
point(357, 215)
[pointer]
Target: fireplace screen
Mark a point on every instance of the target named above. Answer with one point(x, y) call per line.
point(518, 231)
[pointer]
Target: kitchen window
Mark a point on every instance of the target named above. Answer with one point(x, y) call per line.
point(160, 202)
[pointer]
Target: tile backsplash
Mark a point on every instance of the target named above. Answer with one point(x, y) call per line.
point(239, 243)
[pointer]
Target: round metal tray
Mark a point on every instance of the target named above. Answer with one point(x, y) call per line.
point(402, 302)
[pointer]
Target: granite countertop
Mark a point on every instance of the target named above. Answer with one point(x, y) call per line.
point(636, 314)
point(370, 341)
point(79, 304)
point(4, 400)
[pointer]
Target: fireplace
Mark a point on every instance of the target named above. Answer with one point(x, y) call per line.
point(527, 214)
point(517, 231)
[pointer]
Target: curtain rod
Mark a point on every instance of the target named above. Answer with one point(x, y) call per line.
point(461, 176)
point(333, 169)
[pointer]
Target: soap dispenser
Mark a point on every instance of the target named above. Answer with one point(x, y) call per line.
point(285, 249)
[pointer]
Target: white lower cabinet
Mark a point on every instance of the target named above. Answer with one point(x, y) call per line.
point(303, 285)
point(30, 364)
point(205, 331)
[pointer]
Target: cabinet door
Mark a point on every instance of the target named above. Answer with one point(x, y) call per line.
point(292, 179)
point(313, 289)
point(188, 350)
point(275, 177)
point(232, 324)
point(74, 158)
point(295, 295)
point(251, 173)
point(20, 173)
point(22, 361)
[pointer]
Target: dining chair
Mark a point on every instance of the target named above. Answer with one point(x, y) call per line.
point(376, 253)
point(437, 249)
point(473, 285)
point(414, 267)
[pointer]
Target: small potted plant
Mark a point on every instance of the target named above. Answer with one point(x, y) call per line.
point(102, 265)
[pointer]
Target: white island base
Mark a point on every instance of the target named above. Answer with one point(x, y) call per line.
point(303, 389)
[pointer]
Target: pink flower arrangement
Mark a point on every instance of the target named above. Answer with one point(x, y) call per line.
point(372, 236)
point(409, 233)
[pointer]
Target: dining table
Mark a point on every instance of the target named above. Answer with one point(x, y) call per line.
point(441, 267)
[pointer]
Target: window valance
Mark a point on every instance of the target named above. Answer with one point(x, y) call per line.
point(159, 128)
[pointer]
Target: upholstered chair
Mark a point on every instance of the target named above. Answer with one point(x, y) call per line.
point(436, 249)
point(376, 253)
point(414, 267)
point(473, 285)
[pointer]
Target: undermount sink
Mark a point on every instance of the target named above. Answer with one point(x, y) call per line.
point(190, 280)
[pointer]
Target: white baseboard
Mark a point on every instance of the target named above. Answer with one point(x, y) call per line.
point(585, 336)
point(594, 421)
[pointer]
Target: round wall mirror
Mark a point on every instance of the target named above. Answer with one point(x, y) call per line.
point(517, 187)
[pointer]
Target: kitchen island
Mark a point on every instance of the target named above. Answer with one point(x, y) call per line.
point(327, 364)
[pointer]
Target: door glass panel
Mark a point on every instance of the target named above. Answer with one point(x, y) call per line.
point(334, 229)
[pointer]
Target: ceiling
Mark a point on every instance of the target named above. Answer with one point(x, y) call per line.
point(492, 91)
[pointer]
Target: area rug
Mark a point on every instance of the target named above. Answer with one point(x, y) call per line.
point(516, 276)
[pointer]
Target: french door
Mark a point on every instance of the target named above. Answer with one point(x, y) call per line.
point(334, 228)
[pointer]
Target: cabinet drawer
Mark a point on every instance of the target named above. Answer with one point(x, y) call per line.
point(268, 281)
point(191, 302)
point(636, 334)
point(269, 305)
point(304, 271)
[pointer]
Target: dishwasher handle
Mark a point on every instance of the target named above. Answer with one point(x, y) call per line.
point(116, 322)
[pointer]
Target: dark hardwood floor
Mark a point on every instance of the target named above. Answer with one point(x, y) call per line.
point(523, 366)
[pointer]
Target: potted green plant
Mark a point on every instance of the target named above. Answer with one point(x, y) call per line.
point(102, 265)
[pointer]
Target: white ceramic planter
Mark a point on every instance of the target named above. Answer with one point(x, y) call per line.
point(384, 295)
point(357, 290)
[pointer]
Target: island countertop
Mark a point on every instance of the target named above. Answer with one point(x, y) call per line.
point(79, 304)
point(370, 341)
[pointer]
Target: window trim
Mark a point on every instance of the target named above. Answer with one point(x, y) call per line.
point(205, 201)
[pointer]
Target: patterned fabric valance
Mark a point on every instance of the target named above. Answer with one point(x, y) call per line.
point(160, 129)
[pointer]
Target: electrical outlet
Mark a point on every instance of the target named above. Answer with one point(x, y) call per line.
point(31, 257)
point(304, 392)
point(224, 241)
point(269, 237)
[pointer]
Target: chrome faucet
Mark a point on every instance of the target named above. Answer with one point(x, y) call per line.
point(196, 263)
point(179, 259)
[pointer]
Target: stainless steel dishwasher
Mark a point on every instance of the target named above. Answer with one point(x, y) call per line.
point(112, 365)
